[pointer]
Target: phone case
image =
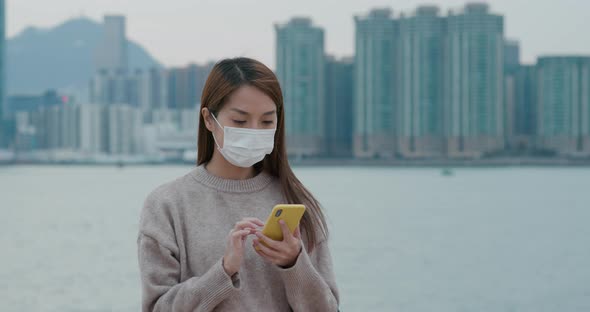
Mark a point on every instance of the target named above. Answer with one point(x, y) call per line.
point(291, 213)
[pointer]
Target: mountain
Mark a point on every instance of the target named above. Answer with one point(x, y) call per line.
point(60, 57)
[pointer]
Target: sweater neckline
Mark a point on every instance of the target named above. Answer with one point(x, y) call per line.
point(256, 183)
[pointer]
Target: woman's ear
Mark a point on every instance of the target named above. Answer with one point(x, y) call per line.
point(207, 118)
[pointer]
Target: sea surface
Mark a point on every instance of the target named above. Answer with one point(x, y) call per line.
point(497, 239)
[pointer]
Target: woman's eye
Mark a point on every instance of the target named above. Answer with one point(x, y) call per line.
point(240, 122)
point(268, 122)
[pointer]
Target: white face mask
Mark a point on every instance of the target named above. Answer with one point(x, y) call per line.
point(244, 147)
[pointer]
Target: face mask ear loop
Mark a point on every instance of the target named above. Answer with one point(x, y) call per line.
point(214, 139)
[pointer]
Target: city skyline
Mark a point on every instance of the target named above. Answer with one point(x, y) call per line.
point(420, 86)
point(525, 22)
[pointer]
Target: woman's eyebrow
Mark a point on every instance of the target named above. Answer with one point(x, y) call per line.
point(240, 111)
point(246, 113)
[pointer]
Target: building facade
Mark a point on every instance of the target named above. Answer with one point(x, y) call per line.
point(563, 103)
point(375, 85)
point(300, 70)
point(473, 82)
point(111, 53)
point(420, 117)
point(338, 114)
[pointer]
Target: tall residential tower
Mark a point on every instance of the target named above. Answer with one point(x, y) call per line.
point(111, 53)
point(300, 70)
point(563, 99)
point(421, 58)
point(473, 82)
point(375, 85)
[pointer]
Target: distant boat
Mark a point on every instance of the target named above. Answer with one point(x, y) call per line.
point(447, 172)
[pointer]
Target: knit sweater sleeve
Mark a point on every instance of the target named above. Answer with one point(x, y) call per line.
point(310, 283)
point(159, 267)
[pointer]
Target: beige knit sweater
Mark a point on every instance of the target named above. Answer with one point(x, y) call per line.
point(182, 237)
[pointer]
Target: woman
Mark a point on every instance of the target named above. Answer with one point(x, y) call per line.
point(187, 259)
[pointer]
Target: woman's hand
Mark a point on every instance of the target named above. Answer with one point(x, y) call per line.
point(282, 253)
point(234, 251)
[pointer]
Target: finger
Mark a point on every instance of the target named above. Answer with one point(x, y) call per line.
point(237, 235)
point(273, 254)
point(297, 232)
point(287, 235)
point(273, 244)
point(246, 229)
point(263, 255)
point(240, 225)
point(244, 223)
point(255, 221)
point(238, 239)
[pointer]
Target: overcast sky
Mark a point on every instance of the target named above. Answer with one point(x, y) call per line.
point(178, 32)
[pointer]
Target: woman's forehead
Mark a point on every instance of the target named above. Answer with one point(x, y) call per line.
point(251, 100)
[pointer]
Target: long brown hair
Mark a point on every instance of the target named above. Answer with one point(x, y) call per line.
point(226, 77)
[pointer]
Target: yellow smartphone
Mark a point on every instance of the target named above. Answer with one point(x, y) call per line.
point(291, 213)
